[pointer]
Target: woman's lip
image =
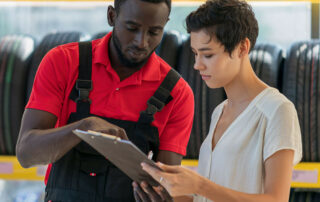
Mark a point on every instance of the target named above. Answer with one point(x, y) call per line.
point(205, 77)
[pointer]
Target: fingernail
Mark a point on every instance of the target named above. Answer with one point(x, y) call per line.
point(144, 184)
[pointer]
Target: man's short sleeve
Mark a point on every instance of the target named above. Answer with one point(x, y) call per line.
point(283, 132)
point(176, 134)
point(49, 84)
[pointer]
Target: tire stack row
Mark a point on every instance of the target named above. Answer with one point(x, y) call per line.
point(297, 76)
point(19, 60)
point(48, 42)
point(267, 61)
point(302, 86)
point(15, 52)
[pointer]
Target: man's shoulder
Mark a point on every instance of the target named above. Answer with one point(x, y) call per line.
point(72, 47)
point(64, 51)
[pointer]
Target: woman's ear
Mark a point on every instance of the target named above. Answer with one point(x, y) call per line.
point(111, 16)
point(244, 47)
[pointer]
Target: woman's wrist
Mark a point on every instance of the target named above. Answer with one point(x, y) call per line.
point(203, 185)
point(200, 185)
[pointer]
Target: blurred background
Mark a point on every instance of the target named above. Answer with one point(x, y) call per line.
point(282, 23)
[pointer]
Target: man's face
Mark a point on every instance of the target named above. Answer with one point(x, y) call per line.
point(138, 30)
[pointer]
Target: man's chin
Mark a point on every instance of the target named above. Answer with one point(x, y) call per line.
point(137, 61)
point(134, 63)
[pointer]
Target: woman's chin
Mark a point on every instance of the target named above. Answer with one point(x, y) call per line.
point(213, 85)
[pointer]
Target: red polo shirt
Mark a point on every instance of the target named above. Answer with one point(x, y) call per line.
point(111, 97)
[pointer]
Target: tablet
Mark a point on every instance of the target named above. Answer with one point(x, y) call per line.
point(122, 153)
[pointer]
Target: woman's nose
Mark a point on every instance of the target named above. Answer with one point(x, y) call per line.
point(198, 65)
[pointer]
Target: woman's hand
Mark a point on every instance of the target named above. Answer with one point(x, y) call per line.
point(177, 180)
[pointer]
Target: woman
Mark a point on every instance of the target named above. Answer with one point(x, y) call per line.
point(254, 138)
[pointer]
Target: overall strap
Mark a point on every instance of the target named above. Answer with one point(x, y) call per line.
point(83, 85)
point(160, 98)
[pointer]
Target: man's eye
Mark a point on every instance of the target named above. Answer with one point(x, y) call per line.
point(132, 29)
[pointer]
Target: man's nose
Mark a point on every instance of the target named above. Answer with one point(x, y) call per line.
point(141, 40)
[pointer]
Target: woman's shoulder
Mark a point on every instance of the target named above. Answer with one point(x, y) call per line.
point(272, 101)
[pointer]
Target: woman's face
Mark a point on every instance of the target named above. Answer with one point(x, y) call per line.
point(216, 67)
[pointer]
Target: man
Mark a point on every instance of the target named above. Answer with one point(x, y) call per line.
point(116, 85)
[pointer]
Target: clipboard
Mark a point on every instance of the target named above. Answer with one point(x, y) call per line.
point(122, 153)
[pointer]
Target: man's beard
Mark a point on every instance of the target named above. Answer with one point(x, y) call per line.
point(125, 61)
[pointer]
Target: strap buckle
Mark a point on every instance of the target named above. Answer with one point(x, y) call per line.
point(84, 87)
point(154, 105)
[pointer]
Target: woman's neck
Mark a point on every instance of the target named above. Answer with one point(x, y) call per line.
point(245, 86)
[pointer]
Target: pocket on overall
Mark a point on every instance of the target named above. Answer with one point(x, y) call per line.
point(119, 185)
point(92, 174)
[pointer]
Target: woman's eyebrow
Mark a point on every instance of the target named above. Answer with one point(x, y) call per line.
point(204, 49)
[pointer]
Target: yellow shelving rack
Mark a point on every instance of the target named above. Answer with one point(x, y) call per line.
point(305, 175)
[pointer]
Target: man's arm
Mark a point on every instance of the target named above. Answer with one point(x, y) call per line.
point(39, 143)
point(168, 157)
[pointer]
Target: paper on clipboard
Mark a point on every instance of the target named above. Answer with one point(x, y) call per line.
point(122, 153)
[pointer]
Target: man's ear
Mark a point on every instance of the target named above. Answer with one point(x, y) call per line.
point(244, 47)
point(111, 16)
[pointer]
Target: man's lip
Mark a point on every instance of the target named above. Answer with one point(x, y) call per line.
point(136, 53)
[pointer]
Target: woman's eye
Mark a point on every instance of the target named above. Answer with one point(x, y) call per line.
point(208, 56)
point(153, 33)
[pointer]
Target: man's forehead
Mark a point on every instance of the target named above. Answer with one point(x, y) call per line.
point(137, 10)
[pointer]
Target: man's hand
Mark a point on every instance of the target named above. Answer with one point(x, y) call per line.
point(146, 193)
point(100, 125)
point(39, 143)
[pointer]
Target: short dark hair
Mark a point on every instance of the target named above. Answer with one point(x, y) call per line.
point(118, 3)
point(230, 21)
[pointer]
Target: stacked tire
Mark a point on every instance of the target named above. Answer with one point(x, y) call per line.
point(267, 61)
point(48, 42)
point(169, 47)
point(301, 84)
point(19, 61)
point(15, 52)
